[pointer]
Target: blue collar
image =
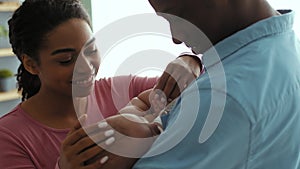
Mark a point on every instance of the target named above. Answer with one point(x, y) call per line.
point(273, 25)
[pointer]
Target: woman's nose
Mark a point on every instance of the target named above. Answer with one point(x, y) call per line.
point(83, 65)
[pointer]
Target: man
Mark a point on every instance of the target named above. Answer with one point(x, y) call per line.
point(244, 112)
point(248, 112)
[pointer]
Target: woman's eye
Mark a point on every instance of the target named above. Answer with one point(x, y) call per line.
point(66, 61)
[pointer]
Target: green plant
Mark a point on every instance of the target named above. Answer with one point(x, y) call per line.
point(5, 73)
point(3, 31)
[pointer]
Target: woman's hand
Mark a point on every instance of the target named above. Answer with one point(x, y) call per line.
point(80, 146)
point(133, 137)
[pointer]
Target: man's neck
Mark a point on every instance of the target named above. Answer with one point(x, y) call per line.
point(240, 16)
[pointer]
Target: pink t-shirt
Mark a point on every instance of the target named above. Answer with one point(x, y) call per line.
point(26, 143)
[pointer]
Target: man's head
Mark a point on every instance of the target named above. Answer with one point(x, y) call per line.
point(202, 14)
point(217, 19)
point(186, 18)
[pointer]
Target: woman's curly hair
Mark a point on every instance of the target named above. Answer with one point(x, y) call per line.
point(28, 28)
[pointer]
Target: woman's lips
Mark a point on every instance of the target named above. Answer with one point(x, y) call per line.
point(84, 82)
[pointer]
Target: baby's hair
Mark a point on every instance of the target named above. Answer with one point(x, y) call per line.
point(28, 28)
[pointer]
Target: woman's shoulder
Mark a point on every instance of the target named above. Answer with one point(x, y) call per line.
point(12, 123)
point(12, 118)
point(16, 122)
point(19, 124)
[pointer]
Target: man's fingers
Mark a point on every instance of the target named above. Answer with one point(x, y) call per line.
point(175, 93)
point(162, 81)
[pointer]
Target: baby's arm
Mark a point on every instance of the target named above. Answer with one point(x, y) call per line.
point(176, 77)
point(142, 107)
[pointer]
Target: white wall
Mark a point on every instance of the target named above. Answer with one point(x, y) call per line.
point(105, 12)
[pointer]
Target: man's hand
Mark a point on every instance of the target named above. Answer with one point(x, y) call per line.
point(176, 77)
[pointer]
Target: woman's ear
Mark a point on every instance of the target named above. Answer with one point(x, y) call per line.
point(30, 65)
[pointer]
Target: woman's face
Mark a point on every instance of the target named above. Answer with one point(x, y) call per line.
point(69, 58)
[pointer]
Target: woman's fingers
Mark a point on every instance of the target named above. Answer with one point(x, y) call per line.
point(81, 144)
point(74, 136)
point(92, 154)
point(82, 138)
point(95, 163)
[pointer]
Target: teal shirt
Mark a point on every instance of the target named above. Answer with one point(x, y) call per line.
point(244, 112)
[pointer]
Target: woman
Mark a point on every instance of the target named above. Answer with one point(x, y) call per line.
point(48, 36)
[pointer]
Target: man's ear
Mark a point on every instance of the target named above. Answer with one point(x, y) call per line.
point(30, 65)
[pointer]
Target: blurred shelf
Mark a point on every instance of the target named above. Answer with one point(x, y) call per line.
point(11, 95)
point(8, 6)
point(5, 52)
